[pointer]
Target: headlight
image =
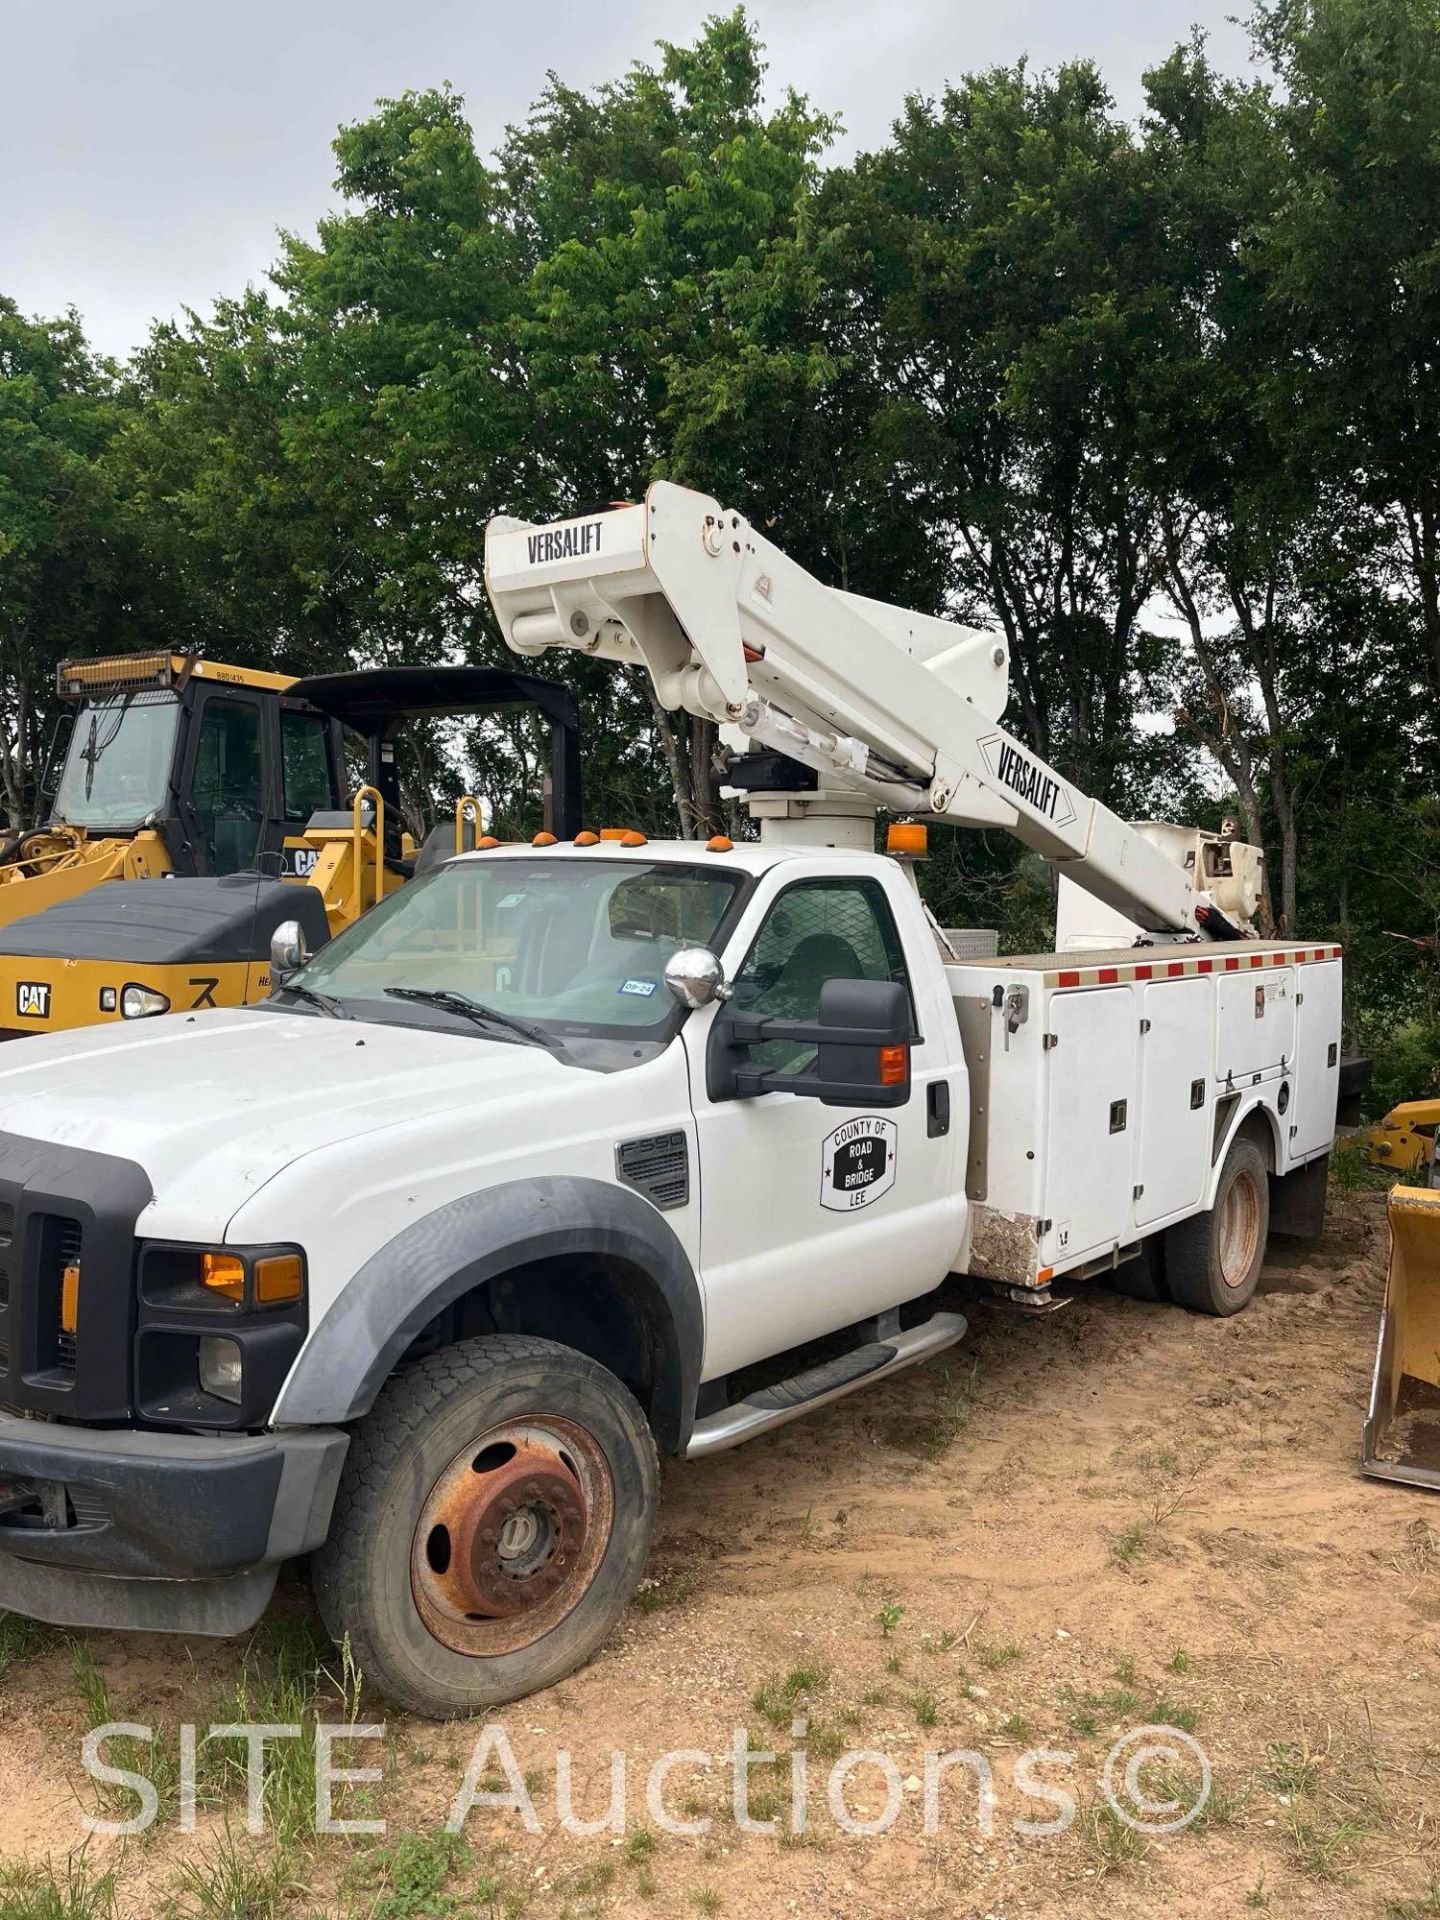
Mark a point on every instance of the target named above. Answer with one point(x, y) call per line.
point(138, 1003)
point(222, 1368)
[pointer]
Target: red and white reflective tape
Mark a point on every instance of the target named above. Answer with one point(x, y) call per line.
point(1227, 961)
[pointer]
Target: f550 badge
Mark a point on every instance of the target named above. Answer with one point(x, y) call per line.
point(857, 1163)
point(32, 999)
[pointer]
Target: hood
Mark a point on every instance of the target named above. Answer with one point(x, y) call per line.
point(212, 1105)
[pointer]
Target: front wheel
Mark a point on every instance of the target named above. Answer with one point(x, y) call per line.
point(1213, 1260)
point(493, 1518)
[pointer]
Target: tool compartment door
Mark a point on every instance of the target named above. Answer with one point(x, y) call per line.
point(1091, 1130)
point(1317, 1058)
point(1174, 1097)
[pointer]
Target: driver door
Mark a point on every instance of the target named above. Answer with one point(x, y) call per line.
point(814, 1216)
point(226, 789)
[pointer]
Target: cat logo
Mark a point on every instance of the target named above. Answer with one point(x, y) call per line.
point(32, 999)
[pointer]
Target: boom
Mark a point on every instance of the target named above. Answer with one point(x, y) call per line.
point(901, 708)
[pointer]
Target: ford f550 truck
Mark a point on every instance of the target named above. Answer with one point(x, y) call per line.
point(570, 1155)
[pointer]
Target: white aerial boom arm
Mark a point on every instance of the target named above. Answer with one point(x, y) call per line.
point(899, 707)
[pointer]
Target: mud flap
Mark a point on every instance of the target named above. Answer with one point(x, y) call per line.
point(1402, 1433)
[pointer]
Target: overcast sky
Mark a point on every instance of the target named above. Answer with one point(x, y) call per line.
point(149, 149)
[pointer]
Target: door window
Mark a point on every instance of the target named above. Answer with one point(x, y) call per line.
point(817, 930)
point(227, 790)
point(305, 749)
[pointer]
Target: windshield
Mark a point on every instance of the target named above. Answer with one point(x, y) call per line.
point(573, 946)
point(117, 766)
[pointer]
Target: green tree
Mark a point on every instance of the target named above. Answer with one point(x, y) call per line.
point(1352, 245)
point(73, 576)
point(676, 271)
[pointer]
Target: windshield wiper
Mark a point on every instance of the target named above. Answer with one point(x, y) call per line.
point(449, 1000)
point(315, 998)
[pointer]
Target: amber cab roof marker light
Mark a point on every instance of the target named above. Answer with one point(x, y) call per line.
point(543, 840)
point(718, 843)
point(632, 837)
point(908, 839)
point(485, 842)
point(587, 839)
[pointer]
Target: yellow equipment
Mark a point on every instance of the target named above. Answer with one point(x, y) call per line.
point(166, 773)
point(1404, 1139)
point(1402, 1430)
point(217, 795)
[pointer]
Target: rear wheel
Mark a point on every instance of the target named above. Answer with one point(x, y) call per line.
point(1213, 1261)
point(493, 1518)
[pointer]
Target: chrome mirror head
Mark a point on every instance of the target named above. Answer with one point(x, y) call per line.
point(695, 977)
point(287, 949)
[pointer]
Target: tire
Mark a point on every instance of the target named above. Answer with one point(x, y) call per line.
point(446, 1562)
point(1213, 1261)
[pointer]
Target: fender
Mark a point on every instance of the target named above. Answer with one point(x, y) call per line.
point(1260, 1102)
point(448, 1253)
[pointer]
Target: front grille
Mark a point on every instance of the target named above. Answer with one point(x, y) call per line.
point(60, 1247)
point(657, 1166)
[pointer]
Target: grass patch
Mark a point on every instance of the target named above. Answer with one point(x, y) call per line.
point(1111, 1841)
point(283, 1681)
point(1129, 1545)
point(994, 1658)
point(954, 1409)
point(1323, 1847)
point(659, 1595)
point(1174, 1713)
point(230, 1883)
point(779, 1700)
point(890, 1615)
point(1423, 1907)
point(74, 1892)
point(927, 1708)
point(22, 1639)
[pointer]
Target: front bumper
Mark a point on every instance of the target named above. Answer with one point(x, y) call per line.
point(170, 1532)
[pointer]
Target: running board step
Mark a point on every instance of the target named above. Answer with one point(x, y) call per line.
point(787, 1399)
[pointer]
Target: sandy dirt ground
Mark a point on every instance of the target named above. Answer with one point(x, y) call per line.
point(1065, 1530)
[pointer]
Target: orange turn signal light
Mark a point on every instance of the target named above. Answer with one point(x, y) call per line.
point(894, 1066)
point(223, 1273)
point(69, 1299)
point(908, 837)
point(278, 1278)
point(717, 843)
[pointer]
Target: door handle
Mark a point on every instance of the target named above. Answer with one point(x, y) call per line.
point(937, 1108)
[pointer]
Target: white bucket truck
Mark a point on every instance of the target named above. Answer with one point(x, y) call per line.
point(568, 1155)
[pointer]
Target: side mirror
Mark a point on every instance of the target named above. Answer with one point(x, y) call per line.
point(695, 977)
point(861, 1041)
point(288, 950)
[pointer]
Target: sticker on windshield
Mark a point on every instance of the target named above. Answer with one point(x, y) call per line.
point(642, 987)
point(857, 1163)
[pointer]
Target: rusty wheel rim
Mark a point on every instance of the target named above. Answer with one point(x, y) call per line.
point(512, 1535)
point(1239, 1234)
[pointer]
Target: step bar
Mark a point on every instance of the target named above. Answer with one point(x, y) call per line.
point(817, 1386)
